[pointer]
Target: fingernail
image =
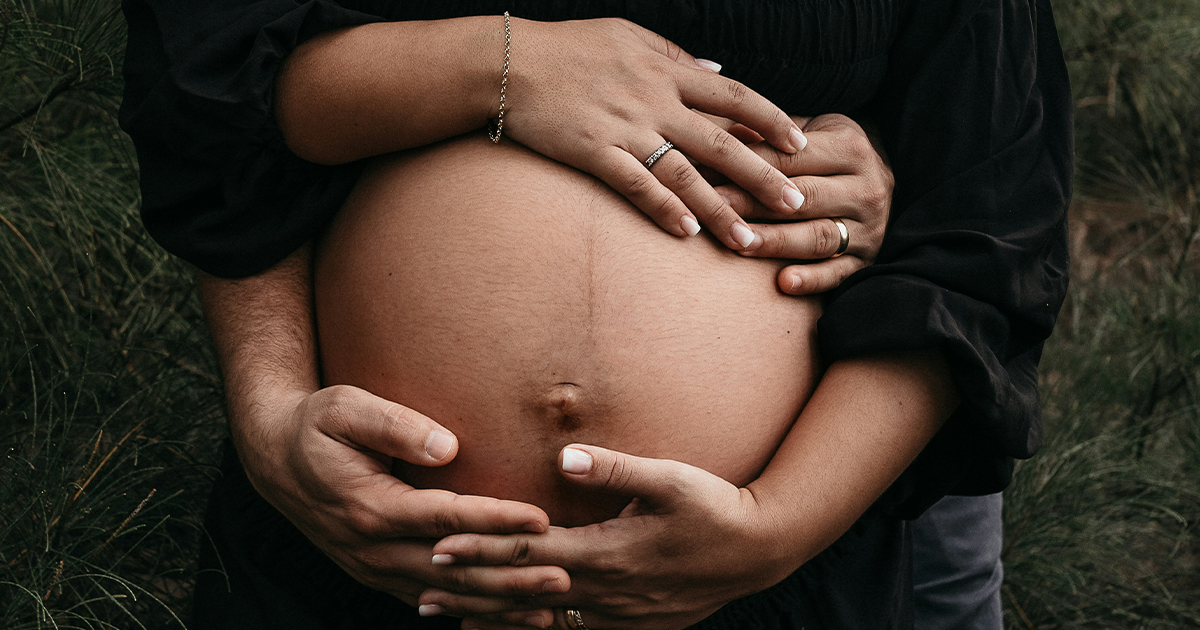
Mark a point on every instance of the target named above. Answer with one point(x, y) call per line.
point(576, 461)
point(795, 284)
point(690, 226)
point(554, 586)
point(792, 197)
point(429, 610)
point(438, 444)
point(709, 65)
point(742, 235)
point(443, 559)
point(537, 621)
point(797, 139)
point(535, 527)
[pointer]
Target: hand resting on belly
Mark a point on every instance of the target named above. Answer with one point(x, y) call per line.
point(524, 305)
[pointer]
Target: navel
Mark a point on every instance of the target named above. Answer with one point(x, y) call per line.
point(565, 405)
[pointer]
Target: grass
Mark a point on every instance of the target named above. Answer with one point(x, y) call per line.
point(110, 414)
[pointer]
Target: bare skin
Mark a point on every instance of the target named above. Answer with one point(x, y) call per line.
point(321, 455)
point(533, 307)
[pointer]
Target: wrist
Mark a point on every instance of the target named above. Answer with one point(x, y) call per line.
point(768, 539)
point(257, 423)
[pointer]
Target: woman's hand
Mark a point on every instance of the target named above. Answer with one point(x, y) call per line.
point(675, 555)
point(327, 467)
point(842, 173)
point(600, 95)
point(603, 95)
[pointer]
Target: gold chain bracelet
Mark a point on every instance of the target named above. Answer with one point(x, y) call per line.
point(496, 128)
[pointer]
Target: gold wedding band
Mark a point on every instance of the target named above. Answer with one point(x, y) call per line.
point(574, 619)
point(845, 237)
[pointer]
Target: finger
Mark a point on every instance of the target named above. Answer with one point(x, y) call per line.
point(743, 133)
point(660, 481)
point(490, 608)
point(519, 619)
point(815, 239)
point(841, 148)
point(481, 623)
point(358, 418)
point(718, 95)
point(711, 145)
point(823, 196)
point(403, 511)
point(675, 172)
point(818, 277)
point(628, 176)
point(747, 207)
point(500, 581)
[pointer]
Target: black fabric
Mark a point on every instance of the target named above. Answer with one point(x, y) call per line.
point(260, 573)
point(971, 98)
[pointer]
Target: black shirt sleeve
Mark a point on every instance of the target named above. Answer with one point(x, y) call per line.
point(975, 112)
point(219, 188)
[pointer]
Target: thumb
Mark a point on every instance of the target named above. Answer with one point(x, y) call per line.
point(357, 417)
point(658, 481)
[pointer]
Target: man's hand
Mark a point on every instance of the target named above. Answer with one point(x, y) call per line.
point(689, 543)
point(841, 173)
point(322, 457)
point(326, 466)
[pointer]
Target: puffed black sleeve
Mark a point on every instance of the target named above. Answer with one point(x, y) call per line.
point(219, 188)
point(975, 113)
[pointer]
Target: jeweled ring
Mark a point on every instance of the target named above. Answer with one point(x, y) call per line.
point(658, 153)
point(574, 619)
point(845, 237)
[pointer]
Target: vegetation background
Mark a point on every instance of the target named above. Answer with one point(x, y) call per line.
point(110, 409)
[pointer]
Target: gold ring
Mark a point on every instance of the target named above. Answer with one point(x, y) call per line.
point(574, 619)
point(845, 236)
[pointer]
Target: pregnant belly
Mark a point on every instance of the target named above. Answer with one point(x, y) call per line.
point(524, 305)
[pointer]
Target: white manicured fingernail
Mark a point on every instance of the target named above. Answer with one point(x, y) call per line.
point(576, 462)
point(438, 444)
point(798, 140)
point(690, 226)
point(429, 610)
point(443, 559)
point(742, 235)
point(792, 197)
point(709, 65)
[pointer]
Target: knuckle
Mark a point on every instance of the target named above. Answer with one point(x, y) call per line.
point(620, 475)
point(768, 175)
point(641, 185)
point(736, 93)
point(608, 565)
point(812, 195)
point(519, 555)
point(827, 238)
point(683, 174)
point(366, 522)
point(336, 401)
point(446, 521)
point(371, 564)
point(721, 143)
point(459, 581)
point(771, 245)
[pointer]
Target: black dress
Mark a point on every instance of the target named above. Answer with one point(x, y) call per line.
point(973, 104)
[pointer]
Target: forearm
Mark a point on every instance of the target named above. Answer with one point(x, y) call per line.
point(262, 329)
point(378, 88)
point(866, 422)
